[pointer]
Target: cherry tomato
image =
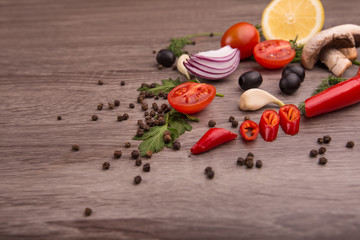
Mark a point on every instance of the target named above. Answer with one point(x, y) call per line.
point(242, 36)
point(274, 54)
point(191, 97)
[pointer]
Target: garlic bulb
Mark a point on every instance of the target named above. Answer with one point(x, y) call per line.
point(254, 99)
point(180, 65)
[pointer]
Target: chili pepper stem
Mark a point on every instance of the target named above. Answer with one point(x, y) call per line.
point(356, 62)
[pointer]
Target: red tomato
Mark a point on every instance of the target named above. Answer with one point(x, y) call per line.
point(274, 54)
point(191, 97)
point(242, 36)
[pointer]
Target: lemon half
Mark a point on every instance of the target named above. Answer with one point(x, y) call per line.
point(286, 19)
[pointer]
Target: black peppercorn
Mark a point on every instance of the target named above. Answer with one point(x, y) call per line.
point(207, 169)
point(144, 106)
point(314, 153)
point(59, 117)
point(246, 118)
point(149, 94)
point(137, 180)
point(127, 144)
point(120, 118)
point(87, 212)
point(322, 150)
point(147, 118)
point(131, 105)
point(106, 165)
point(140, 99)
point(140, 123)
point(164, 106)
point(320, 140)
point(125, 116)
point(146, 167)
point(122, 83)
point(240, 161)
point(117, 154)
point(117, 102)
point(153, 85)
point(322, 161)
point(139, 133)
point(161, 121)
point(152, 113)
point(234, 124)
point(210, 174)
point(138, 162)
point(249, 163)
point(146, 128)
point(135, 154)
point(94, 117)
point(165, 96)
point(144, 85)
point(111, 106)
point(159, 66)
point(156, 97)
point(250, 154)
point(148, 154)
point(231, 118)
point(258, 163)
point(161, 94)
point(350, 144)
point(100, 106)
point(100, 82)
point(211, 34)
point(327, 139)
point(212, 123)
point(176, 145)
point(167, 138)
point(75, 147)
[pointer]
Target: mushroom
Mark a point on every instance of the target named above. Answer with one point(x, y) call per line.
point(333, 47)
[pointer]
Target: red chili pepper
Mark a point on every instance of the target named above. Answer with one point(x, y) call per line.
point(336, 97)
point(212, 138)
point(249, 130)
point(290, 119)
point(269, 125)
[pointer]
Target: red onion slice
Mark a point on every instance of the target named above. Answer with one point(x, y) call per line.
point(221, 65)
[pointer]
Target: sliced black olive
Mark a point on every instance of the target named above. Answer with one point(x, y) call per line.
point(289, 83)
point(252, 79)
point(165, 57)
point(295, 68)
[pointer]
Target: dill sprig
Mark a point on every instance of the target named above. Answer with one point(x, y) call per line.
point(177, 44)
point(298, 49)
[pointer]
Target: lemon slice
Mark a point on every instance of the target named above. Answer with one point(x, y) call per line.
point(286, 19)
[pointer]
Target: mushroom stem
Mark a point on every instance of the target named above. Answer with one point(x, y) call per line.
point(335, 61)
point(349, 53)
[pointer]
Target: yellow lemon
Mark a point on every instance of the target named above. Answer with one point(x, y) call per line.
point(286, 19)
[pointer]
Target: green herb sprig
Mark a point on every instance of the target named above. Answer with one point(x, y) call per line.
point(298, 50)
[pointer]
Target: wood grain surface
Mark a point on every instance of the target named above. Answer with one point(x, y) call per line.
point(53, 53)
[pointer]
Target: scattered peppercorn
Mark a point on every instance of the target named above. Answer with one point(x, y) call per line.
point(137, 180)
point(120, 118)
point(147, 118)
point(160, 66)
point(135, 154)
point(146, 128)
point(125, 116)
point(240, 161)
point(154, 51)
point(210, 174)
point(100, 82)
point(164, 106)
point(322, 150)
point(117, 154)
point(231, 118)
point(246, 118)
point(320, 140)
point(153, 85)
point(146, 167)
point(211, 34)
point(314, 153)
point(140, 132)
point(176, 145)
point(152, 113)
point(75, 147)
point(106, 165)
point(146, 113)
point(234, 124)
point(131, 105)
point(148, 154)
point(144, 85)
point(59, 117)
point(111, 106)
point(167, 138)
point(350, 144)
point(161, 121)
point(117, 102)
point(249, 163)
point(87, 212)
point(250, 154)
point(327, 139)
point(100, 106)
point(212, 123)
point(207, 169)
point(140, 99)
point(258, 163)
point(94, 117)
point(144, 106)
point(122, 83)
point(322, 161)
point(161, 94)
point(138, 162)
point(156, 97)
point(140, 123)
point(127, 144)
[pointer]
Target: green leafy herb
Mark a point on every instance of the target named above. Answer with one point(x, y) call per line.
point(325, 84)
point(177, 123)
point(166, 86)
point(258, 28)
point(177, 44)
point(298, 49)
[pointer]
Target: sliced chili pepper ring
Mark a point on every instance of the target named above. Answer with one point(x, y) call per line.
point(249, 130)
point(290, 119)
point(269, 125)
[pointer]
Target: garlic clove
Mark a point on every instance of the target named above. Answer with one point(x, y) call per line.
point(180, 65)
point(254, 99)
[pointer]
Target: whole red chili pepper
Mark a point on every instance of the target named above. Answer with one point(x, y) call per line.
point(212, 138)
point(290, 119)
point(336, 97)
point(249, 130)
point(269, 125)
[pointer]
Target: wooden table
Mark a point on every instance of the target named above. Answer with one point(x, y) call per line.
point(53, 53)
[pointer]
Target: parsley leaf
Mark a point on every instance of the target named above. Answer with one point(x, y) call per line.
point(166, 86)
point(153, 140)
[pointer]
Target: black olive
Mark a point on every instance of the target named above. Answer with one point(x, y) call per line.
point(252, 79)
point(289, 83)
point(295, 68)
point(165, 57)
